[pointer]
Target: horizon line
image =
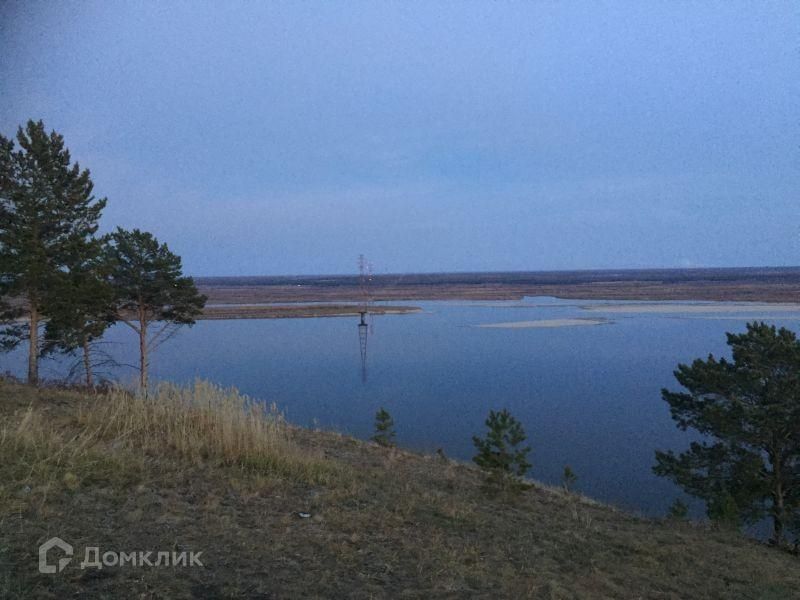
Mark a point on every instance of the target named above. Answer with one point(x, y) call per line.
point(509, 272)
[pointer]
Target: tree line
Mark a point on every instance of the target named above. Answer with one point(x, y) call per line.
point(61, 284)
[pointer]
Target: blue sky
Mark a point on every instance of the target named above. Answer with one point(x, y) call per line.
point(276, 138)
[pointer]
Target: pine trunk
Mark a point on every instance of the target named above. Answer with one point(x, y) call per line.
point(777, 524)
point(778, 499)
point(33, 349)
point(143, 355)
point(87, 364)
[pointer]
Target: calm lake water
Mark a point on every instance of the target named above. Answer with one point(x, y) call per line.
point(588, 396)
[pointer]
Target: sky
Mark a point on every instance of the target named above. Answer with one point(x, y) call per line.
point(261, 138)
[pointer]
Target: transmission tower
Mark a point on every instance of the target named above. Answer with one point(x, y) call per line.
point(364, 282)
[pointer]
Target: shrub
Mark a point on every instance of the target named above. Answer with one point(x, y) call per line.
point(678, 510)
point(500, 452)
point(724, 512)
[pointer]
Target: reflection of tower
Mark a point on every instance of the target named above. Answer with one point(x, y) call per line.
point(362, 338)
point(364, 280)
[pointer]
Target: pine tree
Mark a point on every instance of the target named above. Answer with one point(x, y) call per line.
point(47, 213)
point(748, 409)
point(500, 451)
point(152, 296)
point(568, 478)
point(384, 428)
point(81, 309)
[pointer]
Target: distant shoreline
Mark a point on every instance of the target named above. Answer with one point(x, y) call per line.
point(751, 284)
point(300, 311)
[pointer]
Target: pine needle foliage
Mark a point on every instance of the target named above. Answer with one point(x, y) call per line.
point(747, 465)
point(501, 450)
point(384, 428)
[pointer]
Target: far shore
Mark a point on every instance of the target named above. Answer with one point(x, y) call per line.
point(298, 311)
point(753, 289)
point(748, 284)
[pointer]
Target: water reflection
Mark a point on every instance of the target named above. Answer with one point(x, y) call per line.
point(363, 332)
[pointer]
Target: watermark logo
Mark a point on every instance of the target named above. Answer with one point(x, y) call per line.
point(94, 558)
point(46, 567)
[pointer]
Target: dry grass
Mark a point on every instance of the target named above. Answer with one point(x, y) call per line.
point(47, 457)
point(203, 422)
point(110, 437)
point(208, 469)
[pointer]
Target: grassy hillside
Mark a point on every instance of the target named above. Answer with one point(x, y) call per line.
point(205, 470)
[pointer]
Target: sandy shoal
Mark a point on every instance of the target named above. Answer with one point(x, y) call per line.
point(693, 308)
point(544, 323)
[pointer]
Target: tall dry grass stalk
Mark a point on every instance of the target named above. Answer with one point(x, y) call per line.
point(206, 422)
point(34, 440)
point(203, 420)
point(40, 454)
point(200, 423)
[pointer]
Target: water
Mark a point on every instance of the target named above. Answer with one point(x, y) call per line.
point(588, 396)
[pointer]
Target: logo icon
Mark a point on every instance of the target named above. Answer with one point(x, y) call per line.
point(44, 566)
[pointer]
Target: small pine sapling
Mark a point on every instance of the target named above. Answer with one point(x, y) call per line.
point(569, 478)
point(501, 452)
point(384, 428)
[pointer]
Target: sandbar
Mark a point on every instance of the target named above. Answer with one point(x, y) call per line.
point(544, 323)
point(692, 308)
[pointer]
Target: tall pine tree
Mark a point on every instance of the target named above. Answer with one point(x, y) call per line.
point(748, 410)
point(152, 295)
point(81, 308)
point(47, 213)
